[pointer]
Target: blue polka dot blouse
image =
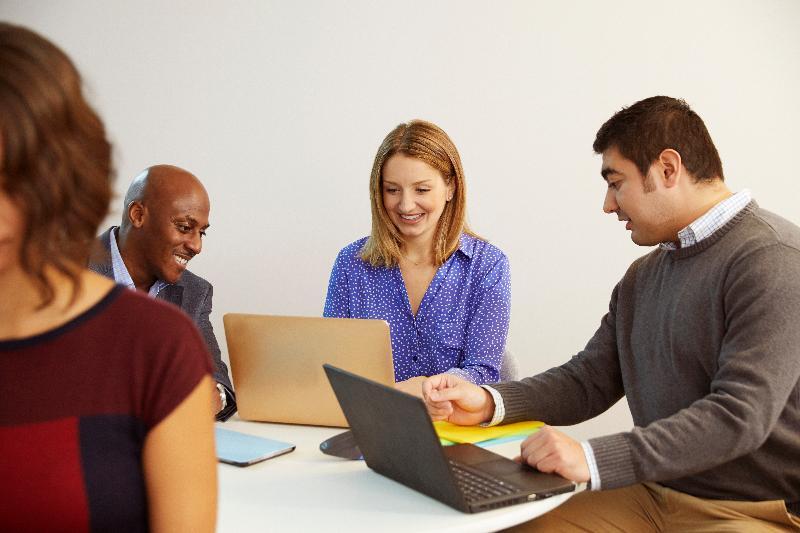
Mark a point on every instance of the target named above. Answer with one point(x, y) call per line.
point(462, 321)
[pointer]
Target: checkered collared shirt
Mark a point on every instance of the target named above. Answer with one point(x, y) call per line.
point(715, 218)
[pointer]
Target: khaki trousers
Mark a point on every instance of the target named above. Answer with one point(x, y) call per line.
point(651, 507)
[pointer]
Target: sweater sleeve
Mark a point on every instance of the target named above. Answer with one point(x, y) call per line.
point(578, 390)
point(758, 369)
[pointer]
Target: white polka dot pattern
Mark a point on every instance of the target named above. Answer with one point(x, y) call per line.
point(462, 321)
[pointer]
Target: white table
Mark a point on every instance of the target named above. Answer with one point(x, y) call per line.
point(306, 490)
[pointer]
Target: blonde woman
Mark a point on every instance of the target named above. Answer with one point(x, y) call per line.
point(105, 419)
point(444, 291)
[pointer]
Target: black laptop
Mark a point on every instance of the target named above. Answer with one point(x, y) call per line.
point(396, 436)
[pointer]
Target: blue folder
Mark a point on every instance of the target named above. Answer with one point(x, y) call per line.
point(241, 449)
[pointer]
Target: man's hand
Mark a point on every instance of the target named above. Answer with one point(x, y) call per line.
point(216, 399)
point(216, 402)
point(549, 450)
point(450, 398)
point(411, 386)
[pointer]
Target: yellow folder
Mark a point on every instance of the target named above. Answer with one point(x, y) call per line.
point(473, 434)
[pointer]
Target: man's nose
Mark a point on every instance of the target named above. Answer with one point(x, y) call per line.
point(610, 202)
point(195, 242)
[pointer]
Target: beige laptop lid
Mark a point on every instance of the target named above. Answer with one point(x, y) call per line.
point(276, 364)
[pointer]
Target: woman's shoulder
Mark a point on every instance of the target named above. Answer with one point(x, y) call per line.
point(478, 248)
point(352, 252)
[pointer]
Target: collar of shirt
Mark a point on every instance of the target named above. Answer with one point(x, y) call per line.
point(121, 274)
point(466, 245)
point(714, 219)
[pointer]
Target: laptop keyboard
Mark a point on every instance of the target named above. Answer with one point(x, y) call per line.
point(479, 486)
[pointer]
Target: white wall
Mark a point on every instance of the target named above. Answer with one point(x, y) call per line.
point(279, 107)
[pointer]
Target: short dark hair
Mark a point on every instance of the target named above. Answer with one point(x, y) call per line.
point(55, 160)
point(648, 127)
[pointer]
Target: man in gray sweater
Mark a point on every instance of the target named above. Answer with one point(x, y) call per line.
point(701, 337)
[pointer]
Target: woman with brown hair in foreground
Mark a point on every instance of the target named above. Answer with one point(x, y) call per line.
point(100, 386)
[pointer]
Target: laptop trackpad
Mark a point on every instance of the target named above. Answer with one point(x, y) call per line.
point(526, 477)
point(505, 468)
point(523, 476)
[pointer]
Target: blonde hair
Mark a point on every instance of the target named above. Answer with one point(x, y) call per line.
point(429, 143)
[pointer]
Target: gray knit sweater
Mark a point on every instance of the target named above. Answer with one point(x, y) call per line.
point(705, 343)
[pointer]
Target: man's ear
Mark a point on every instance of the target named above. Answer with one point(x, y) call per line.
point(136, 214)
point(671, 167)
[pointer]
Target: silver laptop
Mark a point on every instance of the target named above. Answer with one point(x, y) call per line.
point(276, 364)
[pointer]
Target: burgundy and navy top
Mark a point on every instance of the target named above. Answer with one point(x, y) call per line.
point(76, 404)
